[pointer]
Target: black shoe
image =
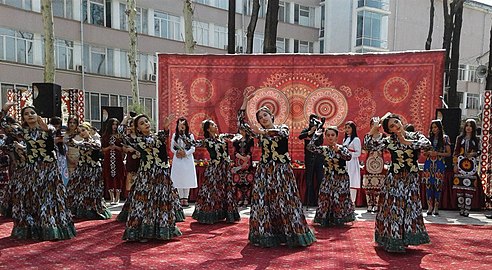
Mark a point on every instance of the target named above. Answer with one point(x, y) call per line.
point(488, 216)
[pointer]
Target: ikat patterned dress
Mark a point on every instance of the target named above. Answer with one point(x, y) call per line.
point(39, 210)
point(434, 169)
point(399, 220)
point(215, 200)
point(276, 209)
point(335, 207)
point(10, 193)
point(153, 203)
point(85, 188)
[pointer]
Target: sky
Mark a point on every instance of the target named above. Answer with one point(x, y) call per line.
point(488, 2)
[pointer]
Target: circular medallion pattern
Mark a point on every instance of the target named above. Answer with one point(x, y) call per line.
point(396, 89)
point(329, 103)
point(272, 98)
point(196, 123)
point(201, 90)
point(374, 164)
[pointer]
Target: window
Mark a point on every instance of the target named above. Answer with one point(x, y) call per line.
point(93, 11)
point(468, 73)
point(248, 8)
point(200, 33)
point(62, 8)
point(371, 29)
point(100, 60)
point(5, 87)
point(220, 37)
point(222, 4)
point(472, 101)
point(64, 54)
point(141, 19)
point(303, 15)
point(322, 24)
point(167, 26)
point(282, 45)
point(258, 43)
point(124, 65)
point(301, 46)
point(16, 46)
point(283, 12)
point(24, 4)
point(145, 67)
point(379, 4)
point(322, 46)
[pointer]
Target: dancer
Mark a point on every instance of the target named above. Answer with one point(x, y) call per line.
point(242, 172)
point(374, 174)
point(72, 151)
point(42, 213)
point(435, 166)
point(215, 201)
point(335, 206)
point(276, 209)
point(85, 189)
point(152, 212)
point(399, 220)
point(183, 172)
point(465, 160)
point(312, 160)
point(113, 166)
point(61, 149)
point(352, 142)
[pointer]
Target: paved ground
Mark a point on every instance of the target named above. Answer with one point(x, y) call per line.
point(445, 216)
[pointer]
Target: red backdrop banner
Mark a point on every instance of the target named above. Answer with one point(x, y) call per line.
point(339, 87)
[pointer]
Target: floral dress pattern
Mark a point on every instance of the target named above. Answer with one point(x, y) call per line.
point(374, 175)
point(335, 207)
point(153, 207)
point(17, 163)
point(38, 209)
point(242, 172)
point(434, 168)
point(85, 189)
point(276, 209)
point(215, 200)
point(399, 220)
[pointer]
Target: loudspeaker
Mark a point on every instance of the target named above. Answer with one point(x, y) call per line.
point(47, 99)
point(108, 112)
point(451, 122)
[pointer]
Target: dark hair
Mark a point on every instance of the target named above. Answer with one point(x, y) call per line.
point(187, 128)
point(133, 114)
point(205, 125)
point(386, 121)
point(267, 110)
point(108, 129)
point(55, 120)
point(473, 124)
point(440, 136)
point(354, 131)
point(409, 128)
point(135, 122)
point(24, 124)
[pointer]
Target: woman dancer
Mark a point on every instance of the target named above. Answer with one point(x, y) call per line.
point(152, 212)
point(276, 208)
point(399, 221)
point(374, 173)
point(72, 151)
point(434, 166)
point(61, 149)
point(352, 142)
point(335, 206)
point(465, 160)
point(113, 166)
point(85, 189)
point(215, 201)
point(42, 213)
point(183, 171)
point(242, 172)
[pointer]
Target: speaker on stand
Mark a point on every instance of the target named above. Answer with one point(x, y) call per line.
point(108, 112)
point(47, 99)
point(451, 123)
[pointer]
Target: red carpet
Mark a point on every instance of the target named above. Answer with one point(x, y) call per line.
point(223, 246)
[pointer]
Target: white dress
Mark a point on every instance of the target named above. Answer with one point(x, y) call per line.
point(353, 167)
point(183, 171)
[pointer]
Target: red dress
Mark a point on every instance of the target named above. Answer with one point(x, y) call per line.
point(113, 166)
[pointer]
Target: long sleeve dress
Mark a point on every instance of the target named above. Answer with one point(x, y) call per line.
point(85, 189)
point(153, 210)
point(41, 212)
point(183, 171)
point(215, 201)
point(276, 209)
point(113, 166)
point(335, 207)
point(399, 220)
point(434, 169)
point(242, 172)
point(353, 165)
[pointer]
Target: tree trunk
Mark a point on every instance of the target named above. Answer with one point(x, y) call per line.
point(252, 26)
point(49, 41)
point(270, 43)
point(188, 25)
point(131, 12)
point(446, 44)
point(488, 84)
point(428, 42)
point(453, 100)
point(231, 28)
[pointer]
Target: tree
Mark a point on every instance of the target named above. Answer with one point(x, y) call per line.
point(231, 28)
point(49, 41)
point(131, 12)
point(270, 43)
point(252, 26)
point(188, 23)
point(488, 80)
point(453, 19)
point(428, 42)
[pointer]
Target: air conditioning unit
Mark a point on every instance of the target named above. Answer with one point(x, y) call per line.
point(79, 68)
point(149, 77)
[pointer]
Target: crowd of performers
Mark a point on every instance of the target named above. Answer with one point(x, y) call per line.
point(57, 176)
